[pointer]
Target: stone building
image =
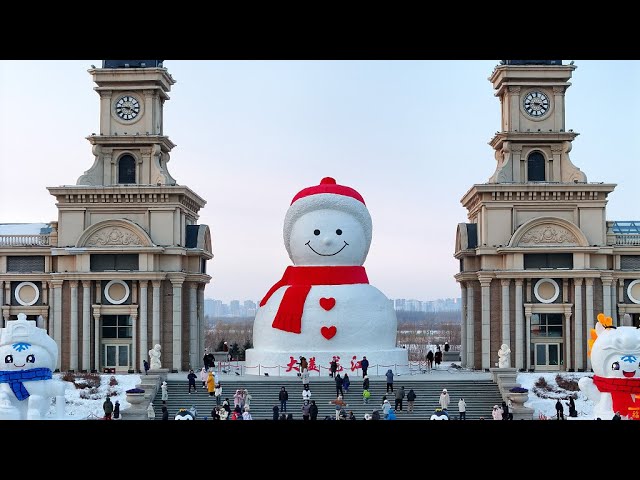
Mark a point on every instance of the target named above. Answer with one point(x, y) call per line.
point(538, 258)
point(124, 266)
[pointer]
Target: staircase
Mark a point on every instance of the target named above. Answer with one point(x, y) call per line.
point(480, 396)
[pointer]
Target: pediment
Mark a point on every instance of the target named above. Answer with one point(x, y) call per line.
point(114, 233)
point(548, 231)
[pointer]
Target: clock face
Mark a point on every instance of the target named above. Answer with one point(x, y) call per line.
point(536, 104)
point(127, 107)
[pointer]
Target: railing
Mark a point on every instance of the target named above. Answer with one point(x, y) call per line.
point(415, 368)
point(627, 239)
point(24, 240)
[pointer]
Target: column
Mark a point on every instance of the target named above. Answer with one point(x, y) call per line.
point(607, 280)
point(567, 343)
point(51, 308)
point(520, 363)
point(506, 330)
point(86, 325)
point(176, 364)
point(527, 330)
point(155, 328)
point(463, 331)
point(614, 302)
point(201, 319)
point(485, 325)
point(194, 339)
point(578, 325)
point(2, 324)
point(134, 341)
point(470, 328)
point(57, 317)
point(96, 340)
point(142, 313)
point(73, 345)
point(589, 311)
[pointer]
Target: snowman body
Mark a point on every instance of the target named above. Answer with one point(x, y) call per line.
point(327, 234)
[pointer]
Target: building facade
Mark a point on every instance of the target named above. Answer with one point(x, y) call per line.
point(538, 258)
point(124, 266)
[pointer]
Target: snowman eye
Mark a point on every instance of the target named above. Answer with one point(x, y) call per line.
point(338, 232)
point(8, 359)
point(31, 359)
point(615, 366)
point(316, 232)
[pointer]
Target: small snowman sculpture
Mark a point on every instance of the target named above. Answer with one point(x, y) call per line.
point(324, 307)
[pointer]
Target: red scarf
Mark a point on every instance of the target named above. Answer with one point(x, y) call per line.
point(620, 390)
point(300, 279)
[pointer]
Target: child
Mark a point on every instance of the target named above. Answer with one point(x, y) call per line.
point(366, 394)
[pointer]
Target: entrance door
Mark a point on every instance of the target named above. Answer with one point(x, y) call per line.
point(548, 356)
point(116, 356)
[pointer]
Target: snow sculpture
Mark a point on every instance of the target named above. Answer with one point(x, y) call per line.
point(615, 357)
point(504, 356)
point(27, 385)
point(154, 355)
point(324, 307)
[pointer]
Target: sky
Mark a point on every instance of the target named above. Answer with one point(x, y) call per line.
point(410, 136)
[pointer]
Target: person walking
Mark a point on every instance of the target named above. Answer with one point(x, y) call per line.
point(462, 409)
point(399, 398)
point(411, 398)
point(107, 406)
point(218, 393)
point(389, 376)
point(365, 382)
point(333, 367)
point(306, 393)
point(165, 413)
point(305, 377)
point(146, 367)
point(116, 410)
point(339, 382)
point(506, 413)
point(191, 377)
point(238, 399)
point(346, 381)
point(306, 410)
point(203, 377)
point(438, 357)
point(366, 395)
point(313, 410)
point(386, 408)
point(364, 364)
point(211, 384)
point(496, 413)
point(283, 396)
point(276, 412)
point(572, 408)
point(429, 361)
point(559, 410)
point(446, 346)
point(444, 399)
point(165, 392)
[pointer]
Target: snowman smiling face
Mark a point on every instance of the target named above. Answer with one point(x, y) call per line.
point(328, 237)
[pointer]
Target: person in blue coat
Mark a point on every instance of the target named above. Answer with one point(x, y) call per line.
point(345, 383)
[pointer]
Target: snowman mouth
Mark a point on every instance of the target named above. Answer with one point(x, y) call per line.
point(326, 254)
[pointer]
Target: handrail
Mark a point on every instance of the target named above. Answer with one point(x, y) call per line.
point(23, 240)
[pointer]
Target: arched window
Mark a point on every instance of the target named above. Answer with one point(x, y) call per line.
point(127, 169)
point(535, 167)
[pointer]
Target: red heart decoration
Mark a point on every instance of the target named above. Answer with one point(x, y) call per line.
point(327, 303)
point(328, 332)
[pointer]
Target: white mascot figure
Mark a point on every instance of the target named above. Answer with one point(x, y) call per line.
point(26, 379)
point(615, 357)
point(324, 308)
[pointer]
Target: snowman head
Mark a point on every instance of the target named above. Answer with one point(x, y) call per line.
point(327, 224)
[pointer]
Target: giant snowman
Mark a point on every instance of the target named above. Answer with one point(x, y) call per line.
point(324, 308)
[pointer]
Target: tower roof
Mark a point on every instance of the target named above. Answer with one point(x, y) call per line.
point(131, 63)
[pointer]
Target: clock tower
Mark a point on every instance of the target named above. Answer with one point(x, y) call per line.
point(533, 256)
point(130, 256)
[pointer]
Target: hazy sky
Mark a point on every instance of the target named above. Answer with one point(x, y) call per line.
point(410, 136)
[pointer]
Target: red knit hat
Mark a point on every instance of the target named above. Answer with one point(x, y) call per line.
point(327, 195)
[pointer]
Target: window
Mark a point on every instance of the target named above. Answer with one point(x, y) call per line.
point(116, 326)
point(548, 260)
point(546, 325)
point(104, 262)
point(535, 167)
point(127, 169)
point(25, 264)
point(629, 262)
